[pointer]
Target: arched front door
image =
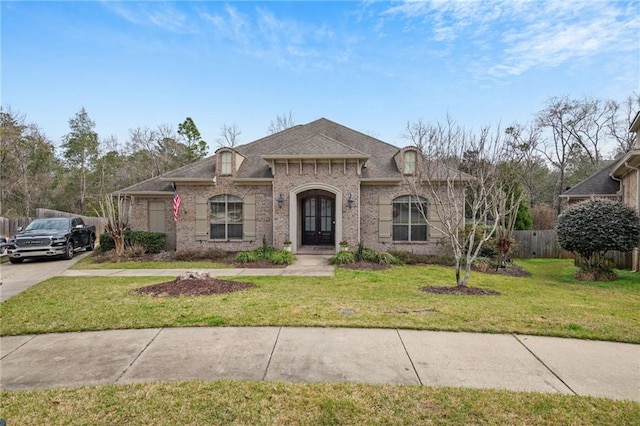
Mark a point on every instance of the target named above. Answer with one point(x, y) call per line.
point(318, 220)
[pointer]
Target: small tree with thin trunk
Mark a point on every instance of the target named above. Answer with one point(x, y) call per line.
point(459, 174)
point(115, 211)
point(591, 228)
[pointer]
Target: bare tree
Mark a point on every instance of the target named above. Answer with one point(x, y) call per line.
point(229, 135)
point(116, 212)
point(282, 122)
point(459, 174)
point(619, 120)
point(587, 124)
point(561, 147)
point(525, 143)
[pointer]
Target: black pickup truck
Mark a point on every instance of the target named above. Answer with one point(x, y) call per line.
point(61, 237)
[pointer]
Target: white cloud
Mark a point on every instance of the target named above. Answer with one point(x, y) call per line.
point(160, 15)
point(261, 33)
point(517, 36)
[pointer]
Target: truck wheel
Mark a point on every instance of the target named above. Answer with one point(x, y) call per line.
point(69, 251)
point(16, 260)
point(92, 243)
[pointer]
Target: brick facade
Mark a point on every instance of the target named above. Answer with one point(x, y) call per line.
point(356, 174)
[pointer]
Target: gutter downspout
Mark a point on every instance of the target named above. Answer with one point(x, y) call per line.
point(636, 252)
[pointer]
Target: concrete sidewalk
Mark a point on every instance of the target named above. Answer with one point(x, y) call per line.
point(513, 362)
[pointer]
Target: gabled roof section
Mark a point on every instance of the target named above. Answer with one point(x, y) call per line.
point(598, 184)
point(316, 146)
point(199, 171)
point(341, 140)
point(149, 186)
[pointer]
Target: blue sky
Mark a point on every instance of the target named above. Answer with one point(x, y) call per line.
point(371, 66)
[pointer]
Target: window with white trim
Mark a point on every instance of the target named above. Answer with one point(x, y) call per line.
point(409, 223)
point(226, 217)
point(225, 163)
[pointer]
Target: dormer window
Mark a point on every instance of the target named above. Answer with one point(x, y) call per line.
point(226, 162)
point(409, 162)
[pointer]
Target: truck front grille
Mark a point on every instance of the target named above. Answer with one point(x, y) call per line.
point(32, 242)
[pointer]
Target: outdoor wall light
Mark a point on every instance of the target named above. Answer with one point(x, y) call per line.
point(350, 200)
point(280, 200)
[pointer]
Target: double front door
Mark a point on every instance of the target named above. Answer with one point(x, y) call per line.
point(318, 220)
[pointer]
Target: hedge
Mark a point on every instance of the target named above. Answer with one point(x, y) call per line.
point(153, 242)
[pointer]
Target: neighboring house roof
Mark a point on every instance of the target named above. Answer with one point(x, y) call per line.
point(319, 139)
point(599, 184)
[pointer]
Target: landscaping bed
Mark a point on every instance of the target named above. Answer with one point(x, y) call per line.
point(193, 286)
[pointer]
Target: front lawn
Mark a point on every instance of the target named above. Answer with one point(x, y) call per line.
point(270, 403)
point(550, 303)
point(88, 263)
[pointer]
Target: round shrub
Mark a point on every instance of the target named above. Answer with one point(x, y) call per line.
point(591, 228)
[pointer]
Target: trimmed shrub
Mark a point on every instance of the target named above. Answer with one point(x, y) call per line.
point(153, 242)
point(591, 228)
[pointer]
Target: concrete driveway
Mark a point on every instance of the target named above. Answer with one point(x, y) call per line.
point(18, 277)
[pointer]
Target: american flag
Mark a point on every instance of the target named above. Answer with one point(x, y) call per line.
point(176, 203)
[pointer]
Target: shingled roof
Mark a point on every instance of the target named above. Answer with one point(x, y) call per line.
point(202, 169)
point(340, 140)
point(321, 138)
point(599, 184)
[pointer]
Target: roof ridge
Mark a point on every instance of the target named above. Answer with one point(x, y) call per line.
point(321, 135)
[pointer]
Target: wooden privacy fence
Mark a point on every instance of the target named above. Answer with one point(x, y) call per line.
point(9, 226)
point(544, 244)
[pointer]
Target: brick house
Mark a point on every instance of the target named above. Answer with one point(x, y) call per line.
point(618, 181)
point(314, 185)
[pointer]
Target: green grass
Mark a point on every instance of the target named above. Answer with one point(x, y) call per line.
point(87, 263)
point(269, 403)
point(550, 303)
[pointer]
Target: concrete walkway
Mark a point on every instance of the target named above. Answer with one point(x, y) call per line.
point(512, 362)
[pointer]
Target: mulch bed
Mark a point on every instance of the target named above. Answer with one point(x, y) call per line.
point(193, 287)
point(460, 290)
point(511, 271)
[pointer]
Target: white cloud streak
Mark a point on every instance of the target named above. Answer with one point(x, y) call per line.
point(522, 35)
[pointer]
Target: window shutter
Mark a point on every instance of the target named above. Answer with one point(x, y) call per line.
point(202, 219)
point(157, 216)
point(385, 219)
point(249, 218)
